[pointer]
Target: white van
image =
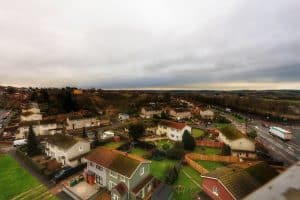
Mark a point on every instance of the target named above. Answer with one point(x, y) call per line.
point(19, 142)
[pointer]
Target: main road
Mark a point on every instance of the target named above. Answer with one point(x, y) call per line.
point(286, 151)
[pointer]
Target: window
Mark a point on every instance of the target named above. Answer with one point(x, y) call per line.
point(80, 148)
point(111, 185)
point(142, 171)
point(91, 164)
point(113, 174)
point(115, 197)
point(99, 180)
point(99, 167)
point(122, 178)
point(215, 191)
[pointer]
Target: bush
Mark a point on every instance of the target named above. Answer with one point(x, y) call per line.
point(188, 141)
point(158, 155)
point(252, 134)
point(176, 153)
point(226, 150)
point(172, 175)
point(145, 145)
point(166, 146)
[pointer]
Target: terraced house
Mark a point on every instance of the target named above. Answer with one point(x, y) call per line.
point(127, 177)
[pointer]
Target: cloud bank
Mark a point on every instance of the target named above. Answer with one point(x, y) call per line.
point(150, 44)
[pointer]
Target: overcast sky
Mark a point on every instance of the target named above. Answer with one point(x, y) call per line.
point(195, 44)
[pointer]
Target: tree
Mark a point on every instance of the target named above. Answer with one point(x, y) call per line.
point(188, 141)
point(32, 143)
point(136, 130)
point(226, 150)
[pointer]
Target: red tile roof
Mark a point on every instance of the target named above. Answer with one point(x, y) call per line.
point(176, 125)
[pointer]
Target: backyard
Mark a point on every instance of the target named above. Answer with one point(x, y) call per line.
point(210, 165)
point(187, 184)
point(25, 188)
point(207, 150)
point(196, 132)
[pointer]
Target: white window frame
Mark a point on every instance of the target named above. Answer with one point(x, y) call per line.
point(142, 171)
point(122, 178)
point(113, 174)
point(100, 168)
point(215, 190)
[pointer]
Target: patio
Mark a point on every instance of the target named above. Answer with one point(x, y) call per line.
point(81, 191)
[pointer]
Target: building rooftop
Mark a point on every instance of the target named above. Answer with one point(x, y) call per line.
point(114, 160)
point(284, 187)
point(242, 180)
point(62, 141)
point(231, 133)
point(176, 125)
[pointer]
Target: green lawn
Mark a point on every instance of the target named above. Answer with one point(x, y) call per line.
point(210, 165)
point(221, 125)
point(15, 181)
point(159, 144)
point(138, 152)
point(158, 168)
point(186, 189)
point(207, 150)
point(113, 145)
point(196, 132)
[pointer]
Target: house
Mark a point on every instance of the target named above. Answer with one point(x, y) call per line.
point(66, 150)
point(173, 130)
point(124, 175)
point(286, 186)
point(77, 92)
point(237, 180)
point(240, 145)
point(81, 120)
point(149, 112)
point(207, 114)
point(40, 127)
point(32, 107)
point(31, 113)
point(123, 116)
point(180, 113)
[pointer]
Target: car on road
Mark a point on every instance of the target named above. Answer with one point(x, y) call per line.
point(66, 172)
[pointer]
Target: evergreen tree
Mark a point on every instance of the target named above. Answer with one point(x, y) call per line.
point(136, 130)
point(226, 150)
point(188, 141)
point(32, 143)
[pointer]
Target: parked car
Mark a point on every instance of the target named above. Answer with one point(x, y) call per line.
point(66, 172)
point(19, 142)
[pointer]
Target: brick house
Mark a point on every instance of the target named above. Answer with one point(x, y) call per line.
point(124, 175)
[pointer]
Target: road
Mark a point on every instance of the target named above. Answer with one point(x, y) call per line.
point(288, 152)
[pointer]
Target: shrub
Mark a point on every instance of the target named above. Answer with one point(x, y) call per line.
point(172, 175)
point(158, 154)
point(188, 141)
point(252, 134)
point(175, 153)
point(166, 146)
point(226, 150)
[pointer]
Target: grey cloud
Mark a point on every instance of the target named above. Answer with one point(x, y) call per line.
point(148, 44)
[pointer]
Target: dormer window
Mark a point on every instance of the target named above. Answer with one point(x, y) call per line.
point(215, 191)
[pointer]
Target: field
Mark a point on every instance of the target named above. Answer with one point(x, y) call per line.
point(196, 132)
point(16, 183)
